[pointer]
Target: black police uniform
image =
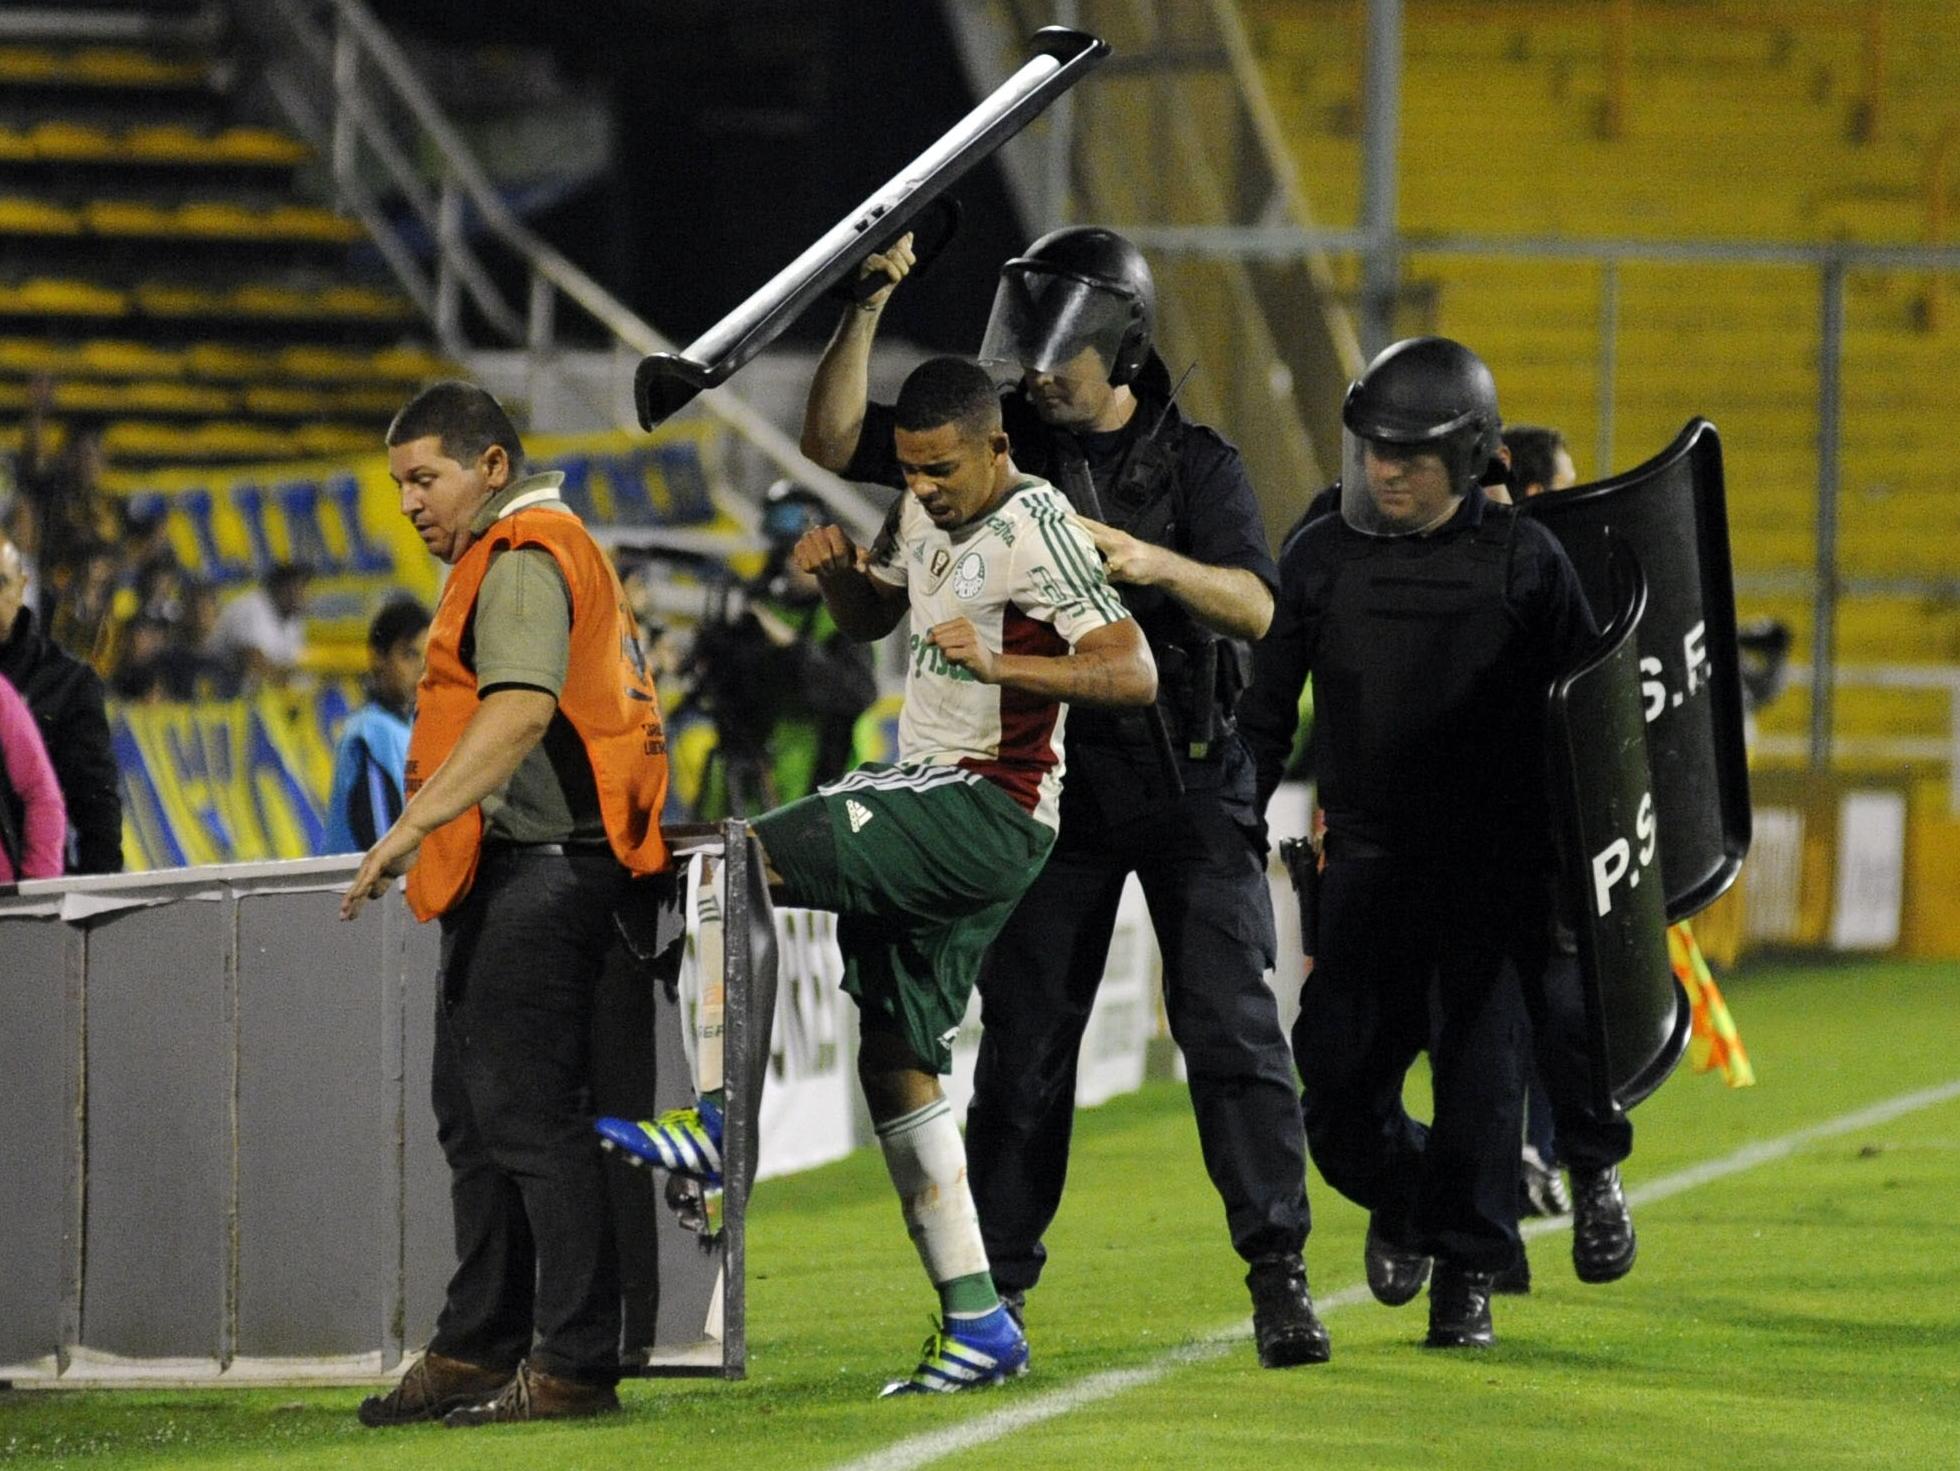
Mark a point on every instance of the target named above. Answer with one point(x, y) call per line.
point(1565, 1120)
point(1431, 656)
point(1196, 853)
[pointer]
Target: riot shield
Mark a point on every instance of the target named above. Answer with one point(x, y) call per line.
point(1672, 513)
point(1611, 844)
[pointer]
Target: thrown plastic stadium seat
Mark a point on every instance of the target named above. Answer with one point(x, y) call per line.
point(20, 216)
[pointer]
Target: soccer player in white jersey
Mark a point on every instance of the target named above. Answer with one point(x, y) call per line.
point(1012, 619)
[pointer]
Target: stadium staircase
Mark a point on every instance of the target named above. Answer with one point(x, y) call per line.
point(1738, 121)
point(168, 258)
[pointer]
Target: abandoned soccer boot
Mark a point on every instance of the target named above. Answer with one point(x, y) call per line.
point(1514, 1280)
point(1459, 1309)
point(966, 1353)
point(432, 1387)
point(1284, 1325)
point(685, 1141)
point(1603, 1244)
point(1395, 1275)
point(1541, 1191)
point(533, 1394)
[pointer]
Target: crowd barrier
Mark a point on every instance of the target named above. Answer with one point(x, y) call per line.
point(220, 1158)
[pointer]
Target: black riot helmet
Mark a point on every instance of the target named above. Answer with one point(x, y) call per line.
point(1424, 396)
point(1079, 287)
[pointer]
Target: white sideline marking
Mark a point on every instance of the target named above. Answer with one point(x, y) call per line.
point(922, 1450)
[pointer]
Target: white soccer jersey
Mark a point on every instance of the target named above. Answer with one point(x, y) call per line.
point(1031, 582)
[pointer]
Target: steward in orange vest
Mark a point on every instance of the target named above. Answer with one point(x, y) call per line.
point(608, 697)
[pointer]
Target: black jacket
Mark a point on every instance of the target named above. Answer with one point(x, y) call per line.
point(66, 698)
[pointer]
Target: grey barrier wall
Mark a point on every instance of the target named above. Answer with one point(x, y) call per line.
point(218, 1160)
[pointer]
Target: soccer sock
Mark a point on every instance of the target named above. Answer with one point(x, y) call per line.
point(927, 1161)
point(708, 955)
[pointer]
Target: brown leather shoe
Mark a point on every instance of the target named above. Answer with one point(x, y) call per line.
point(432, 1387)
point(533, 1394)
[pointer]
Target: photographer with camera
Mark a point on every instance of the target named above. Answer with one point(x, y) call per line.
point(783, 686)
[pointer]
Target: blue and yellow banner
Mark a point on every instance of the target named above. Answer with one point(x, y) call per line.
point(228, 526)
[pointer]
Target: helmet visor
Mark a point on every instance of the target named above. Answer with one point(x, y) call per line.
point(1047, 322)
point(1391, 488)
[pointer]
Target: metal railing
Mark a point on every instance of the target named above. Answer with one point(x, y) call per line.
point(352, 92)
point(1832, 263)
point(1893, 748)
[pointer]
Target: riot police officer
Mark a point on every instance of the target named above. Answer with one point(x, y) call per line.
point(1164, 793)
point(1432, 620)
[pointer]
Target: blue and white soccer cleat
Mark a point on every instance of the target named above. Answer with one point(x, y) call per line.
point(972, 1353)
point(683, 1141)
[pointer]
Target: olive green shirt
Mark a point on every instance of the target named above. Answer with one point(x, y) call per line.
point(521, 635)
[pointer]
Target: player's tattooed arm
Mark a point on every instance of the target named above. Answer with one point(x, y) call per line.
point(1110, 665)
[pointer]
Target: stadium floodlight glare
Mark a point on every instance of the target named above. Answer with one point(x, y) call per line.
point(666, 382)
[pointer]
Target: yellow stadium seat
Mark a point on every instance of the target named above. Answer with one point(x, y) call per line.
point(15, 147)
point(228, 360)
point(259, 145)
point(127, 217)
point(336, 439)
point(114, 66)
point(110, 358)
point(166, 299)
point(28, 356)
point(323, 363)
point(411, 365)
point(219, 220)
point(59, 298)
point(269, 301)
point(64, 141)
point(28, 64)
point(277, 400)
point(362, 301)
point(309, 222)
point(166, 144)
point(37, 217)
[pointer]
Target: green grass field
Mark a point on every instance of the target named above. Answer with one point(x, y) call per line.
point(1800, 1312)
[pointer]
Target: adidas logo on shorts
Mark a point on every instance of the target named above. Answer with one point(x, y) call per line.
point(859, 813)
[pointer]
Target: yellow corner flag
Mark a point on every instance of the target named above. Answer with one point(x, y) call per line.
point(1713, 1041)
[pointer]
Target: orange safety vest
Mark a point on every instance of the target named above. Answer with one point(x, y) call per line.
point(608, 697)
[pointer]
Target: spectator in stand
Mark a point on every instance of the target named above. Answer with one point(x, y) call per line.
point(190, 671)
point(33, 821)
point(138, 678)
point(370, 760)
point(261, 629)
point(78, 604)
point(65, 697)
point(65, 490)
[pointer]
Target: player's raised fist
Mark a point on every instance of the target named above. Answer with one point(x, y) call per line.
point(825, 551)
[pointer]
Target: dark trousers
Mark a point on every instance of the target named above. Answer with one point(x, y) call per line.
point(1585, 1130)
point(1212, 912)
point(1411, 957)
point(521, 958)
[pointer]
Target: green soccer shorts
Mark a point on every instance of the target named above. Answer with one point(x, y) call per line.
point(922, 865)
